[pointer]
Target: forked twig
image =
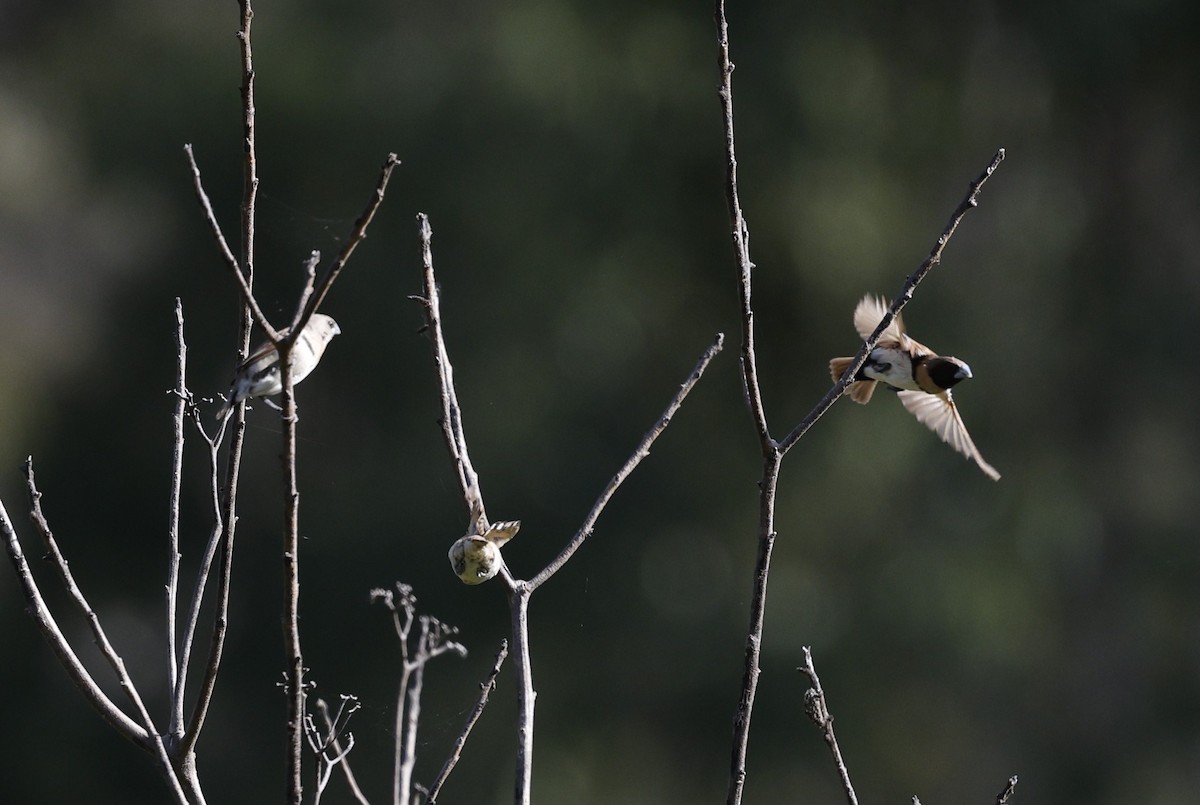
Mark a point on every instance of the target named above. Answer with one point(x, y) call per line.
point(772, 450)
point(519, 590)
point(432, 641)
point(341, 753)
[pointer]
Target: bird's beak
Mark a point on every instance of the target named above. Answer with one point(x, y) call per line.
point(963, 373)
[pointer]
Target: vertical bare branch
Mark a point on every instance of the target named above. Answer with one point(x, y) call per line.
point(250, 163)
point(294, 671)
point(772, 451)
point(173, 518)
point(215, 540)
point(452, 425)
point(818, 710)
point(526, 695)
point(403, 625)
point(740, 233)
point(771, 454)
point(768, 487)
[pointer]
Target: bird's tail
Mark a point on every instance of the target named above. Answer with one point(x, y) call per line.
point(860, 390)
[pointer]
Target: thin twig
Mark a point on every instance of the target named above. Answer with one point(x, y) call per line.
point(216, 532)
point(1003, 796)
point(818, 710)
point(328, 748)
point(451, 421)
point(485, 691)
point(740, 232)
point(244, 278)
point(181, 401)
point(294, 656)
point(249, 163)
point(335, 743)
point(357, 235)
point(639, 453)
point(403, 627)
point(48, 626)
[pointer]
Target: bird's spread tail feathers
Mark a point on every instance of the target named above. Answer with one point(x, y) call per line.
point(860, 390)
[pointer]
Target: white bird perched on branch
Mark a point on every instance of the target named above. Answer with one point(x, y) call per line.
point(259, 376)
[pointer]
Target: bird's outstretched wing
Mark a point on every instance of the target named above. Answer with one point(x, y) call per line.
point(869, 313)
point(939, 413)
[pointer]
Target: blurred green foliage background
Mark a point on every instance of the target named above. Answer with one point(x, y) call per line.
point(569, 154)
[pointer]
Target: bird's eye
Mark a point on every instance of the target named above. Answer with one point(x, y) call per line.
point(884, 367)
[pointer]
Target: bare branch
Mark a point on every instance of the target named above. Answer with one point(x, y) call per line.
point(249, 164)
point(818, 710)
point(432, 641)
point(37, 609)
point(357, 235)
point(642, 450)
point(155, 743)
point(485, 691)
point(772, 451)
point(328, 748)
point(334, 742)
point(1003, 796)
point(244, 281)
point(181, 401)
point(768, 487)
point(526, 695)
point(520, 591)
point(225, 506)
point(294, 657)
point(740, 232)
point(452, 425)
point(216, 532)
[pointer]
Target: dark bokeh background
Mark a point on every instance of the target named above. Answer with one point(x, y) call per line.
point(569, 154)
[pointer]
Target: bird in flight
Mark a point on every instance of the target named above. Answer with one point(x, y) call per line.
point(921, 378)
